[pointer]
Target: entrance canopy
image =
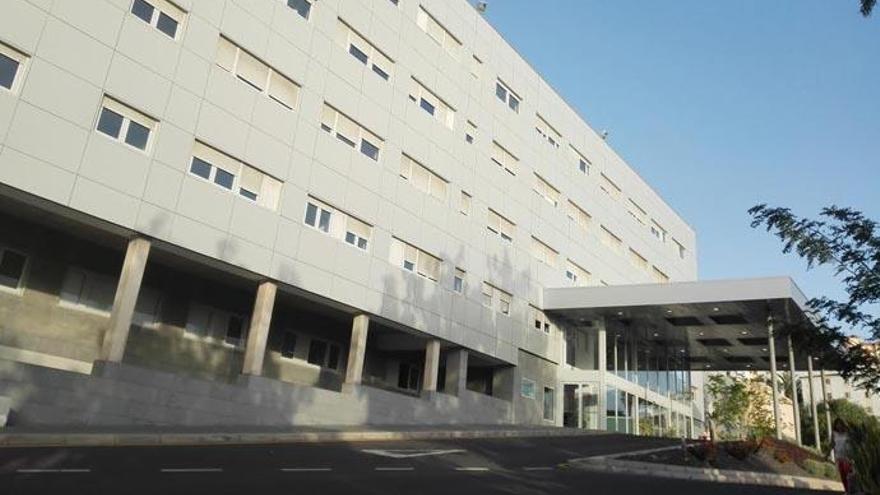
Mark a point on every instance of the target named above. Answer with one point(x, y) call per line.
point(716, 325)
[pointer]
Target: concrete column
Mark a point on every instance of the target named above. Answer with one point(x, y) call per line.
point(432, 366)
point(794, 398)
point(771, 345)
point(258, 332)
point(456, 371)
point(813, 410)
point(113, 346)
point(603, 364)
point(827, 409)
point(357, 349)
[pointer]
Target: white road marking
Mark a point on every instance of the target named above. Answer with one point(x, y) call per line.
point(191, 470)
point(306, 470)
point(41, 471)
point(410, 453)
point(538, 468)
point(473, 469)
point(394, 468)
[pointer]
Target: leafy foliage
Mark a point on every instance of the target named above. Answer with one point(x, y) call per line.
point(849, 243)
point(851, 413)
point(865, 453)
point(867, 7)
point(736, 407)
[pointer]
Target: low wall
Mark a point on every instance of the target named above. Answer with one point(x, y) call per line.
point(125, 395)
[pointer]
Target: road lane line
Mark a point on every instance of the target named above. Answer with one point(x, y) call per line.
point(191, 470)
point(306, 470)
point(394, 469)
point(472, 469)
point(43, 471)
point(538, 468)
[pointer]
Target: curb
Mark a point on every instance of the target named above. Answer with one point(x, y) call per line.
point(618, 466)
point(10, 440)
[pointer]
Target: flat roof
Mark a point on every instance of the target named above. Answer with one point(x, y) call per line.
point(714, 324)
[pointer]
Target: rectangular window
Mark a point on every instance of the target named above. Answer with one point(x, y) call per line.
point(580, 217)
point(256, 73)
point(125, 124)
point(415, 260)
point(493, 297)
point(527, 388)
point(12, 266)
point(638, 260)
point(609, 187)
point(547, 132)
point(679, 249)
point(505, 94)
point(12, 65)
point(544, 253)
point(338, 224)
point(85, 289)
point(216, 325)
point(581, 161)
point(504, 158)
point(350, 132)
point(423, 178)
point(576, 275)
point(464, 206)
point(317, 352)
point(658, 231)
point(288, 345)
point(659, 276)
point(470, 132)
point(636, 211)
point(161, 14)
point(546, 191)
point(609, 239)
point(438, 33)
point(540, 321)
point(147, 308)
point(301, 7)
point(431, 103)
point(549, 404)
point(235, 176)
point(458, 280)
point(500, 226)
point(364, 51)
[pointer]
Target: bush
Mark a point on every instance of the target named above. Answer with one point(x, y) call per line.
point(741, 450)
point(820, 469)
point(704, 452)
point(865, 453)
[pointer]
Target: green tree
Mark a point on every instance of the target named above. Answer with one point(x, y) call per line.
point(867, 7)
point(847, 242)
point(851, 413)
point(730, 402)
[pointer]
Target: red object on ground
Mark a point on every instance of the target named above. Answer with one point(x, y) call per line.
point(844, 467)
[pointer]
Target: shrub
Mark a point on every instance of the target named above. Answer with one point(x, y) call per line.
point(865, 453)
point(741, 450)
point(820, 469)
point(704, 452)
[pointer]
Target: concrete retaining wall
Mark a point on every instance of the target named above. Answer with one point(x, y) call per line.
point(124, 395)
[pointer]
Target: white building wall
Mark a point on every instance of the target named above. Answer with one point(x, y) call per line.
point(80, 51)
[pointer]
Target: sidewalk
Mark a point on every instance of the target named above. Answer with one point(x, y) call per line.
point(146, 435)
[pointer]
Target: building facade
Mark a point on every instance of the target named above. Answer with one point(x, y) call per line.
point(300, 212)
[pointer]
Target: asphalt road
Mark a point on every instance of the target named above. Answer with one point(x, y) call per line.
point(457, 467)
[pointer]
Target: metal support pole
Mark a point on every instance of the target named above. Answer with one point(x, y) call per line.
point(813, 409)
point(771, 345)
point(827, 409)
point(794, 398)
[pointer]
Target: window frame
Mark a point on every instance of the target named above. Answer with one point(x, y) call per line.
point(169, 9)
point(506, 229)
point(552, 409)
point(547, 191)
point(362, 132)
point(20, 282)
point(129, 114)
point(272, 74)
point(440, 111)
point(399, 247)
point(339, 224)
point(23, 61)
point(509, 96)
point(459, 278)
point(409, 167)
point(449, 42)
point(534, 388)
point(308, 14)
point(270, 188)
point(354, 39)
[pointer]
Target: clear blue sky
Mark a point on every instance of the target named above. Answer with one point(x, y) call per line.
point(722, 105)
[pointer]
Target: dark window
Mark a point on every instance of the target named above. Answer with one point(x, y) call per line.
point(369, 149)
point(382, 73)
point(469, 138)
point(142, 9)
point(248, 194)
point(333, 357)
point(302, 7)
point(8, 69)
point(324, 222)
point(234, 330)
point(201, 168)
point(426, 106)
point(11, 268)
point(167, 25)
point(350, 238)
point(513, 103)
point(224, 178)
point(288, 345)
point(137, 135)
point(311, 214)
point(538, 324)
point(357, 53)
point(500, 92)
point(317, 352)
point(345, 140)
point(110, 123)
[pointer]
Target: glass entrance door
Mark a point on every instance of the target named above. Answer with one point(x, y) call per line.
point(581, 405)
